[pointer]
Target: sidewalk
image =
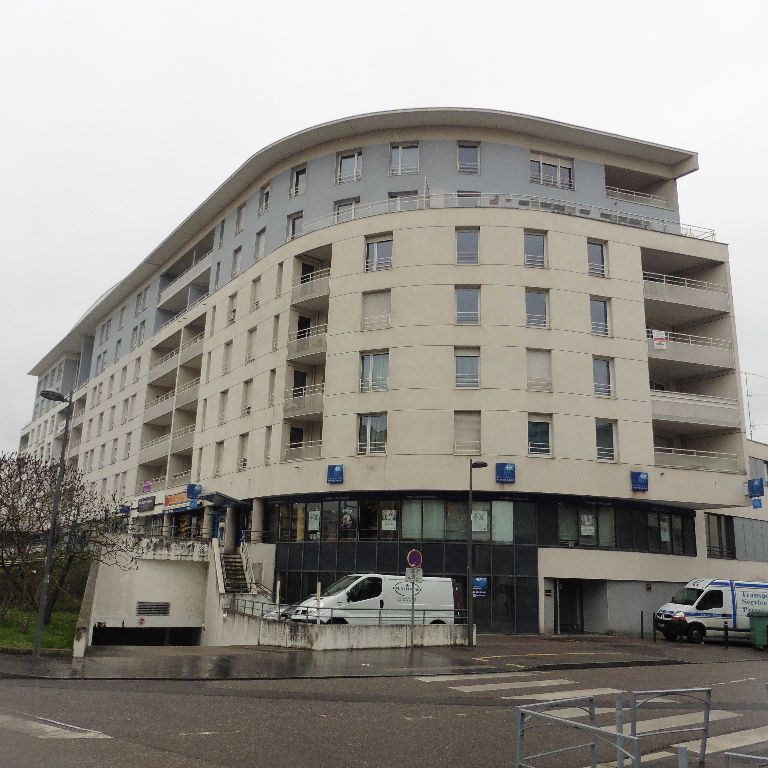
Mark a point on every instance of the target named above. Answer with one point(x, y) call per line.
point(493, 653)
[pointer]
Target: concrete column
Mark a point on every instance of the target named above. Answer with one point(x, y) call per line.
point(167, 523)
point(230, 531)
point(207, 523)
point(257, 521)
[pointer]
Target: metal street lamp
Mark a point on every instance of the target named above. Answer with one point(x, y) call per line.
point(57, 397)
point(470, 593)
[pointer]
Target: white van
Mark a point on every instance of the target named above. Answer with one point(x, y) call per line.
point(373, 598)
point(706, 605)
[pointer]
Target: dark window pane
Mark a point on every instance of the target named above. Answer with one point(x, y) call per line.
point(625, 538)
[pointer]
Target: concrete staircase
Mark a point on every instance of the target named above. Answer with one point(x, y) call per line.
point(235, 581)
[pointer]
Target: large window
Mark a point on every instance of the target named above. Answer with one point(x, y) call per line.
point(536, 308)
point(376, 310)
point(403, 158)
point(298, 181)
point(467, 245)
point(534, 255)
point(372, 433)
point(467, 367)
point(466, 432)
point(539, 435)
point(605, 439)
point(295, 225)
point(721, 541)
point(468, 157)
point(467, 305)
point(374, 371)
point(539, 364)
point(598, 312)
point(551, 171)
point(349, 166)
point(345, 210)
point(596, 259)
point(378, 253)
point(601, 376)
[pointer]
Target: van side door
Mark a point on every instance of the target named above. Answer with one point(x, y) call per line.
point(712, 604)
point(364, 601)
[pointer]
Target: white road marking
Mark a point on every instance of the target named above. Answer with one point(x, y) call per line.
point(41, 728)
point(678, 721)
point(510, 686)
point(732, 740)
point(561, 695)
point(482, 675)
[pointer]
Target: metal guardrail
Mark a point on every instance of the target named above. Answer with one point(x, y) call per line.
point(168, 356)
point(730, 403)
point(293, 393)
point(732, 759)
point(684, 282)
point(308, 333)
point(308, 279)
point(641, 198)
point(687, 338)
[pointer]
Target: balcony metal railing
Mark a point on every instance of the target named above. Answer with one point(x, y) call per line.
point(534, 260)
point(375, 323)
point(156, 484)
point(294, 393)
point(539, 449)
point(606, 453)
point(188, 430)
point(312, 277)
point(181, 478)
point(599, 328)
point(551, 181)
point(641, 198)
point(603, 389)
point(191, 272)
point(466, 447)
point(539, 385)
point(688, 458)
point(157, 441)
point(528, 202)
point(467, 257)
point(232, 319)
point(254, 305)
point(467, 381)
point(200, 336)
point(242, 464)
point(596, 270)
point(371, 447)
point(168, 356)
point(694, 399)
point(308, 449)
point(687, 338)
point(308, 333)
point(374, 384)
point(163, 398)
point(684, 282)
point(189, 385)
point(468, 166)
point(536, 321)
point(467, 317)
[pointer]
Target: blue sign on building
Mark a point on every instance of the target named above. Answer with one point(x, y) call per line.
point(125, 509)
point(194, 490)
point(755, 487)
point(505, 473)
point(639, 481)
point(335, 473)
point(757, 503)
point(479, 586)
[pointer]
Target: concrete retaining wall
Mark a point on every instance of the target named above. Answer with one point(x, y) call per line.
point(238, 629)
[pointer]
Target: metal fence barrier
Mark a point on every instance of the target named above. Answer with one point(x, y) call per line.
point(734, 759)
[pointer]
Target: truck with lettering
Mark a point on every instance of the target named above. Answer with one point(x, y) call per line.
point(708, 606)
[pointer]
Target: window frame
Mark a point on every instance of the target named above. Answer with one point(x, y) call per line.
point(462, 380)
point(292, 218)
point(299, 175)
point(541, 159)
point(600, 328)
point(469, 167)
point(535, 261)
point(610, 453)
point(369, 383)
point(369, 447)
point(357, 173)
point(534, 320)
point(398, 169)
point(468, 313)
point(537, 448)
point(264, 194)
point(467, 257)
point(378, 264)
point(593, 269)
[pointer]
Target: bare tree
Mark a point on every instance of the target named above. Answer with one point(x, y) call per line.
point(90, 527)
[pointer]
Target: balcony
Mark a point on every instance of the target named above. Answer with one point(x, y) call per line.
point(309, 449)
point(191, 348)
point(185, 278)
point(680, 355)
point(182, 439)
point(180, 479)
point(187, 393)
point(675, 300)
point(311, 291)
point(638, 198)
point(164, 365)
point(308, 344)
point(695, 409)
point(304, 401)
point(159, 406)
point(154, 449)
point(151, 486)
point(685, 458)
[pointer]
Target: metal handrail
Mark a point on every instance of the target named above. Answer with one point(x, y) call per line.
point(713, 400)
point(687, 338)
point(551, 181)
point(467, 257)
point(374, 384)
point(185, 274)
point(533, 260)
point(181, 476)
point(375, 323)
point(540, 385)
point(294, 393)
point(170, 355)
point(467, 380)
point(536, 321)
point(536, 202)
point(189, 385)
point(156, 441)
point(641, 198)
point(188, 430)
point(467, 317)
point(318, 274)
point(603, 390)
point(606, 453)
point(161, 399)
point(599, 328)
point(200, 336)
point(466, 446)
point(306, 333)
point(539, 449)
point(371, 447)
point(685, 282)
point(693, 452)
point(596, 270)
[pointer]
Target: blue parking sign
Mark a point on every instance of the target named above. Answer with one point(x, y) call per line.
point(335, 473)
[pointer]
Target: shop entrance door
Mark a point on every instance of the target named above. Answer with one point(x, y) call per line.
point(569, 611)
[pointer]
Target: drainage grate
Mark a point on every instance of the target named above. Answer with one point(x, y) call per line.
point(144, 608)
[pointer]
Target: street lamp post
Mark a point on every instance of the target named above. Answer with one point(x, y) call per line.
point(52, 394)
point(470, 593)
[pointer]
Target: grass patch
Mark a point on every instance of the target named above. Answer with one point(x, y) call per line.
point(60, 633)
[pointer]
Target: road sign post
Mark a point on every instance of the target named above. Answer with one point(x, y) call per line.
point(413, 574)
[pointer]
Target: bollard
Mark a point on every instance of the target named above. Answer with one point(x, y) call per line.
point(653, 631)
point(725, 633)
point(642, 625)
point(682, 757)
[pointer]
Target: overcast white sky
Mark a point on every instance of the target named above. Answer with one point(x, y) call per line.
point(119, 119)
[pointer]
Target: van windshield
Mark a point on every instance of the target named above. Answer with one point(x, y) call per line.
point(340, 585)
point(687, 596)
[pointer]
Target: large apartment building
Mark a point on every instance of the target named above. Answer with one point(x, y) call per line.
point(363, 308)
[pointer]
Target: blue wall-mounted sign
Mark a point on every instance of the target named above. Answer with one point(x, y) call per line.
point(505, 473)
point(194, 490)
point(755, 487)
point(479, 586)
point(335, 473)
point(639, 481)
point(757, 503)
point(125, 509)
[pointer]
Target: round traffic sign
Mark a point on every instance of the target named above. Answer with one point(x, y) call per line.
point(414, 559)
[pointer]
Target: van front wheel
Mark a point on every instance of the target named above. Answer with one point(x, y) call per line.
point(695, 634)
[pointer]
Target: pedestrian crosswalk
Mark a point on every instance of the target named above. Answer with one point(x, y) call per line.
point(518, 688)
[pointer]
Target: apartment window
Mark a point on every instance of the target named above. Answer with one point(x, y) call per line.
point(596, 259)
point(121, 319)
point(539, 435)
point(139, 302)
point(226, 364)
point(403, 201)
point(124, 413)
point(466, 432)
point(137, 369)
point(134, 337)
point(240, 219)
point(97, 371)
point(250, 345)
point(247, 397)
point(467, 245)
point(102, 455)
point(100, 424)
point(112, 413)
point(236, 258)
point(758, 468)
point(207, 367)
point(467, 305)
point(468, 157)
point(232, 309)
point(345, 210)
point(349, 166)
point(255, 294)
point(271, 386)
point(374, 371)
point(267, 445)
point(721, 536)
point(218, 456)
point(466, 198)
point(242, 452)
point(132, 407)
point(258, 251)
point(221, 232)
point(601, 375)
point(298, 181)
point(295, 225)
point(605, 439)
point(378, 253)
point(113, 452)
point(118, 344)
point(551, 171)
point(534, 255)
point(217, 276)
point(110, 385)
point(99, 390)
point(467, 368)
point(264, 198)
point(536, 308)
point(223, 401)
point(598, 311)
point(204, 413)
point(275, 332)
point(403, 159)
point(88, 429)
point(376, 310)
point(539, 363)
point(372, 433)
